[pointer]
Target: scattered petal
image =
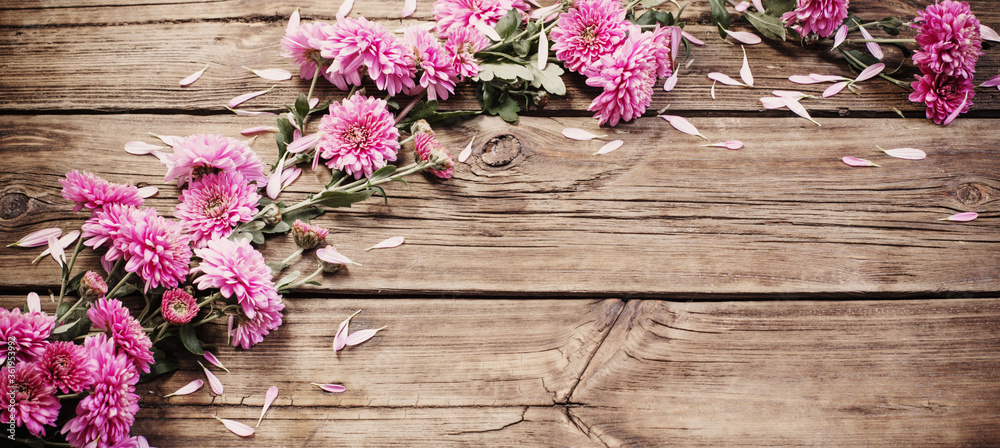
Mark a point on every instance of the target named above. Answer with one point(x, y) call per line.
point(827, 78)
point(671, 82)
point(190, 388)
point(293, 22)
point(954, 114)
point(870, 72)
point(247, 97)
point(194, 77)
point(409, 7)
point(745, 37)
point(725, 79)
point(213, 381)
point(905, 153)
point(214, 361)
point(992, 82)
point(37, 238)
point(579, 134)
point(304, 143)
point(236, 427)
point(313, 102)
point(759, 5)
point(330, 255)
point(803, 79)
point(34, 303)
point(712, 90)
point(464, 155)
point(272, 74)
point(732, 144)
point(345, 9)
point(290, 176)
point(873, 47)
point(772, 102)
point(854, 161)
point(108, 265)
point(146, 192)
point(359, 337)
point(487, 30)
point(988, 33)
point(834, 89)
point(962, 217)
point(274, 180)
point(794, 106)
point(57, 252)
point(610, 146)
point(840, 36)
point(793, 94)
point(395, 241)
point(258, 130)
point(141, 148)
point(340, 338)
point(250, 113)
point(745, 73)
point(691, 38)
point(742, 6)
point(331, 388)
point(170, 140)
point(63, 243)
point(536, 14)
point(272, 394)
point(543, 49)
point(681, 124)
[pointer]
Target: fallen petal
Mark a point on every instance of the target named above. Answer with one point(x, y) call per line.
point(274, 180)
point(141, 148)
point(772, 102)
point(146, 192)
point(250, 113)
point(487, 30)
point(272, 394)
point(840, 36)
point(293, 22)
point(543, 50)
point(304, 143)
point(190, 388)
point(345, 9)
point(725, 79)
point(409, 7)
point(794, 106)
point(464, 155)
point(854, 161)
point(745, 37)
point(988, 33)
point(247, 97)
point(671, 82)
point(214, 361)
point(331, 388)
point(34, 303)
point(340, 338)
point(681, 124)
point(759, 5)
point(213, 381)
point(905, 153)
point(610, 146)
point(330, 255)
point(834, 89)
point(742, 6)
point(803, 79)
point(873, 47)
point(395, 241)
point(290, 176)
point(579, 134)
point(236, 427)
point(536, 14)
point(745, 73)
point(827, 78)
point(992, 82)
point(258, 130)
point(712, 90)
point(37, 238)
point(732, 144)
point(962, 217)
point(313, 102)
point(272, 74)
point(870, 72)
point(954, 114)
point(361, 336)
point(793, 94)
point(194, 77)
point(57, 252)
point(170, 140)
point(691, 38)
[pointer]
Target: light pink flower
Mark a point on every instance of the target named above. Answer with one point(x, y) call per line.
point(303, 44)
point(428, 149)
point(237, 270)
point(356, 43)
point(627, 78)
point(199, 154)
point(154, 247)
point(105, 417)
point(250, 331)
point(178, 307)
point(666, 42)
point(33, 401)
point(436, 68)
point(28, 331)
point(949, 39)
point(211, 206)
point(462, 46)
point(88, 190)
point(943, 95)
point(308, 236)
point(103, 228)
point(125, 331)
point(65, 365)
point(817, 16)
point(359, 136)
point(592, 29)
point(452, 15)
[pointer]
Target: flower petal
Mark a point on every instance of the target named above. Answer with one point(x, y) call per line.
point(141, 148)
point(170, 140)
point(340, 338)
point(214, 361)
point(793, 94)
point(962, 217)
point(870, 72)
point(681, 124)
point(827, 78)
point(258, 130)
point(731, 144)
point(313, 102)
point(543, 49)
point(759, 5)
point(272, 394)
point(345, 9)
point(293, 22)
point(250, 113)
point(331, 388)
point(57, 252)
point(464, 155)
point(274, 180)
point(304, 143)
point(213, 380)
point(236, 427)
point(725, 79)
point(247, 97)
point(358, 337)
point(873, 47)
point(794, 106)
point(905, 153)
point(745, 73)
point(193, 77)
point(190, 388)
point(37, 238)
point(290, 176)
point(146, 192)
point(742, 6)
point(34, 303)
point(840, 36)
point(108, 265)
point(954, 114)
point(395, 241)
point(988, 33)
point(610, 146)
point(487, 30)
point(671, 81)
point(272, 74)
point(536, 14)
point(330, 255)
point(854, 161)
point(834, 89)
point(992, 82)
point(409, 7)
point(772, 102)
point(579, 134)
point(691, 38)
point(745, 37)
point(803, 79)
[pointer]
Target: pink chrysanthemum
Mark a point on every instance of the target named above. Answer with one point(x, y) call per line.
point(33, 401)
point(303, 44)
point(103, 228)
point(437, 72)
point(28, 331)
point(356, 43)
point(125, 330)
point(92, 286)
point(627, 78)
point(949, 39)
point(666, 42)
point(88, 190)
point(822, 17)
point(453, 15)
point(178, 307)
point(587, 32)
point(154, 247)
point(462, 46)
point(65, 365)
point(105, 417)
point(211, 206)
point(942, 95)
point(235, 268)
point(429, 150)
point(250, 331)
point(308, 236)
point(200, 154)
point(358, 136)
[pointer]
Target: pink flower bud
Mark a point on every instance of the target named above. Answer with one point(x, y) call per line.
point(92, 286)
point(178, 307)
point(308, 236)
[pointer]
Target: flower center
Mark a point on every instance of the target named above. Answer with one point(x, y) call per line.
point(357, 136)
point(214, 206)
point(179, 307)
point(589, 34)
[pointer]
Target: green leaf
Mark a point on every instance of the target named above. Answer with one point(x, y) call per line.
point(163, 362)
point(301, 106)
point(382, 173)
point(253, 225)
point(381, 192)
point(720, 16)
point(890, 25)
point(74, 283)
point(276, 266)
point(507, 71)
point(509, 24)
point(771, 27)
point(190, 340)
point(257, 237)
point(508, 110)
point(304, 214)
point(777, 8)
point(65, 327)
point(342, 199)
point(522, 47)
point(285, 135)
point(125, 290)
point(649, 4)
point(281, 227)
point(287, 280)
point(322, 107)
point(549, 79)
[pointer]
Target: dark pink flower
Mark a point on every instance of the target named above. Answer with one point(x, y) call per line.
point(436, 68)
point(359, 136)
point(92, 286)
point(308, 236)
point(65, 365)
point(199, 154)
point(943, 95)
point(949, 39)
point(211, 206)
point(462, 46)
point(29, 332)
point(154, 247)
point(822, 17)
point(627, 78)
point(237, 270)
point(178, 307)
point(587, 32)
point(428, 149)
point(105, 416)
point(88, 190)
point(125, 330)
point(33, 401)
point(103, 228)
point(452, 15)
point(356, 43)
point(250, 331)
point(666, 41)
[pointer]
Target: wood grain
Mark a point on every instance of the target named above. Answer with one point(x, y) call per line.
point(793, 373)
point(661, 217)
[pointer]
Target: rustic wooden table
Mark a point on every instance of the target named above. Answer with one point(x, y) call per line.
point(666, 294)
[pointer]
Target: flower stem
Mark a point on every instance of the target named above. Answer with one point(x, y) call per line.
point(413, 102)
point(313, 84)
point(69, 396)
point(358, 185)
point(857, 62)
point(210, 299)
point(315, 273)
point(124, 279)
point(69, 311)
point(69, 270)
point(159, 335)
point(293, 255)
point(114, 269)
point(881, 41)
point(407, 140)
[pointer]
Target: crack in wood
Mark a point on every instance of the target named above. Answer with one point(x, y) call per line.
point(483, 431)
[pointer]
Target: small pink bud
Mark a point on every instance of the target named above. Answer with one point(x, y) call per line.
point(178, 307)
point(92, 286)
point(308, 236)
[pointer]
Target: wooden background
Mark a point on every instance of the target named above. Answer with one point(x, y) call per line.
point(666, 294)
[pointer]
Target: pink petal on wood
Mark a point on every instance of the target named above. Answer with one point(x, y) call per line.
point(745, 73)
point(190, 388)
point(146, 192)
point(170, 140)
point(793, 94)
point(671, 81)
point(610, 146)
point(272, 394)
point(389, 243)
point(731, 144)
point(250, 113)
point(745, 37)
point(289, 176)
point(247, 97)
point(409, 7)
point(34, 303)
point(37, 238)
point(954, 114)
point(772, 102)
point(988, 33)
point(193, 77)
point(742, 6)
point(854, 161)
point(759, 5)
point(794, 106)
point(803, 79)
point(834, 89)
point(359, 337)
point(579, 134)
point(274, 180)
point(214, 361)
point(870, 72)
point(304, 143)
point(992, 82)
point(345, 9)
point(330, 255)
point(906, 153)
point(141, 148)
point(827, 78)
point(962, 217)
point(293, 22)
point(57, 252)
point(691, 38)
point(272, 74)
point(236, 427)
point(543, 50)
point(340, 338)
point(331, 388)
point(536, 14)
point(681, 124)
point(464, 155)
point(258, 130)
point(725, 79)
point(213, 380)
point(840, 36)
point(873, 47)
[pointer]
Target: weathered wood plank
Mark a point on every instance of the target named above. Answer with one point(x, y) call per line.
point(797, 373)
point(661, 217)
point(63, 69)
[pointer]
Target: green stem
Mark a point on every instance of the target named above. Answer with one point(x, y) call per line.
point(409, 107)
point(503, 55)
point(114, 269)
point(70, 310)
point(315, 273)
point(69, 270)
point(293, 255)
point(354, 89)
point(159, 334)
point(125, 279)
point(407, 140)
point(210, 299)
point(540, 21)
point(313, 85)
point(69, 396)
point(856, 61)
point(357, 185)
point(207, 319)
point(880, 41)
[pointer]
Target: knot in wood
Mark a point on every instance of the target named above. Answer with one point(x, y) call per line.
point(971, 194)
point(13, 205)
point(501, 150)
